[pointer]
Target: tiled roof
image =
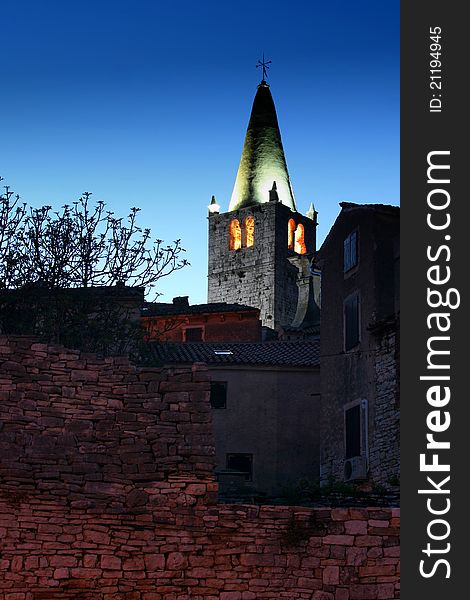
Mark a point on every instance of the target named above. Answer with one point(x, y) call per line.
point(304, 353)
point(152, 309)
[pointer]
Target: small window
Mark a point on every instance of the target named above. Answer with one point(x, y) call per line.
point(351, 322)
point(249, 229)
point(193, 334)
point(356, 429)
point(235, 235)
point(352, 425)
point(242, 463)
point(218, 397)
point(350, 251)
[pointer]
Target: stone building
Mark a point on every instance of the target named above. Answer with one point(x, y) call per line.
point(180, 321)
point(265, 404)
point(259, 250)
point(359, 331)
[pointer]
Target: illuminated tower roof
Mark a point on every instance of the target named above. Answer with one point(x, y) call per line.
point(263, 161)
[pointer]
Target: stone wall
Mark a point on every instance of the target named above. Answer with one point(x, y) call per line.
point(106, 491)
point(385, 445)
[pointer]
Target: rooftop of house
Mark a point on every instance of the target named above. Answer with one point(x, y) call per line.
point(384, 208)
point(180, 306)
point(348, 207)
point(294, 354)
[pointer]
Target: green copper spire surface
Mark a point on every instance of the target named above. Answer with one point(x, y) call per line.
point(263, 161)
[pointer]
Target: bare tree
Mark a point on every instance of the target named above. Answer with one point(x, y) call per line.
point(12, 217)
point(85, 249)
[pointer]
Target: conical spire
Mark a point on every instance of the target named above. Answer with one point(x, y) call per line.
point(263, 159)
point(311, 212)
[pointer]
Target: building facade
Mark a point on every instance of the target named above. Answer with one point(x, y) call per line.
point(180, 321)
point(265, 401)
point(359, 334)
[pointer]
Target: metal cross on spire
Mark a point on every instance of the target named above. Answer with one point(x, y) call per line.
point(264, 65)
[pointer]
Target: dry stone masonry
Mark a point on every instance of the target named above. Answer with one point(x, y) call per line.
point(385, 446)
point(107, 492)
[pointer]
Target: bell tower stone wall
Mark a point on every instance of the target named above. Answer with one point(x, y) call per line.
point(259, 275)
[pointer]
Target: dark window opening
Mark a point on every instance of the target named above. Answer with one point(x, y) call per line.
point(193, 334)
point(351, 322)
point(353, 431)
point(218, 397)
point(350, 251)
point(242, 463)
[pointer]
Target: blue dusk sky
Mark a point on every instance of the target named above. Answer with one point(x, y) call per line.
point(146, 103)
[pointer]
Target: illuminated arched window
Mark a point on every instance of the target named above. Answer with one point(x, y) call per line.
point(235, 235)
point(290, 234)
point(299, 246)
point(249, 230)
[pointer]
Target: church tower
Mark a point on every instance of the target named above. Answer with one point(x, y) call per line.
point(259, 249)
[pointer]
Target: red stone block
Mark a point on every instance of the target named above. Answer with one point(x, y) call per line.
point(31, 563)
point(385, 591)
point(376, 571)
point(359, 513)
point(207, 561)
point(200, 572)
point(257, 560)
point(61, 573)
point(338, 540)
point(176, 561)
point(85, 574)
point(363, 592)
point(342, 594)
point(230, 596)
point(375, 552)
point(356, 527)
point(154, 562)
point(116, 575)
point(320, 595)
point(90, 560)
point(45, 528)
point(98, 537)
point(133, 564)
point(196, 489)
point(16, 564)
point(378, 523)
point(331, 575)
point(340, 514)
point(308, 583)
point(110, 562)
point(369, 540)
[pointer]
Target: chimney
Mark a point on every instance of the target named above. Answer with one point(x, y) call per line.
point(181, 301)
